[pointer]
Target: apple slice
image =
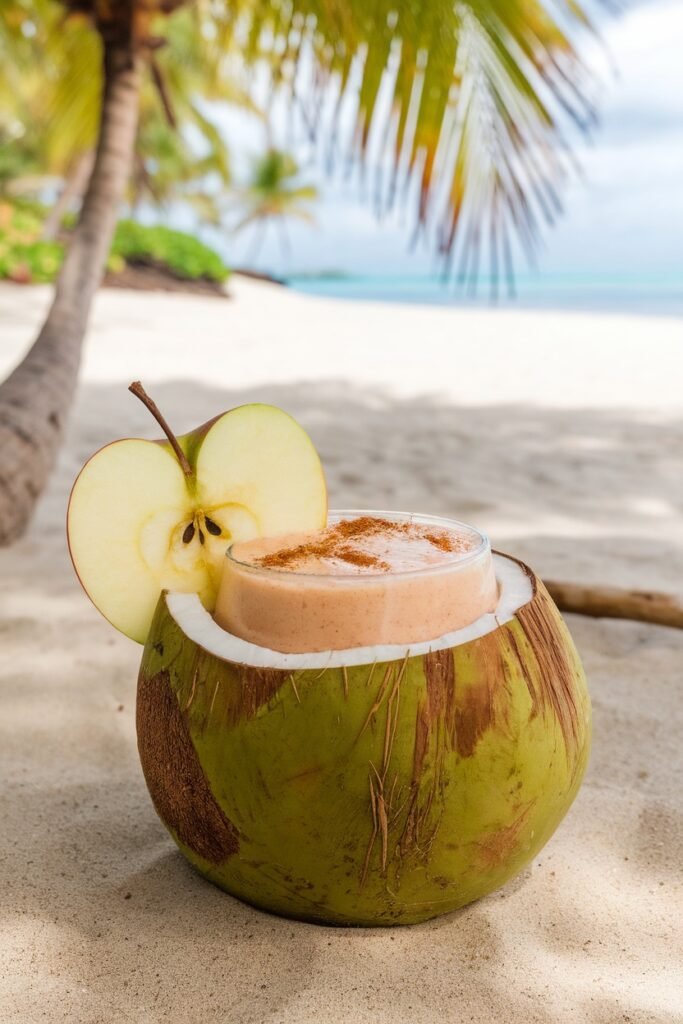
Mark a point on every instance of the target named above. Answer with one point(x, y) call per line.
point(146, 516)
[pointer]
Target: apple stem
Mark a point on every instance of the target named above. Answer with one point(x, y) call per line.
point(137, 389)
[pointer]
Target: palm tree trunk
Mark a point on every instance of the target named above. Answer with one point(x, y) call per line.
point(36, 398)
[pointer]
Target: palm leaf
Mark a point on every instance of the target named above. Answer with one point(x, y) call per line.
point(481, 94)
point(468, 100)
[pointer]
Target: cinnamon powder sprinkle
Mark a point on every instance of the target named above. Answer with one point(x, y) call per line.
point(337, 541)
point(443, 541)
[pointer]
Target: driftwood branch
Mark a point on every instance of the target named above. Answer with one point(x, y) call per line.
point(615, 603)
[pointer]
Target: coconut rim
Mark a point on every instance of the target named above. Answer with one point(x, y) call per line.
point(516, 589)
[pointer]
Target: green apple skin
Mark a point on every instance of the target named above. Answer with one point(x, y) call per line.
point(254, 472)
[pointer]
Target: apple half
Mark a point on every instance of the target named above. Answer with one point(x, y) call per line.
point(146, 516)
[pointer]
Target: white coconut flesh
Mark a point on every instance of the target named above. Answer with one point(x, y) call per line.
point(515, 589)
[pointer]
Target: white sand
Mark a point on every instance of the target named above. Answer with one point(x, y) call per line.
point(560, 434)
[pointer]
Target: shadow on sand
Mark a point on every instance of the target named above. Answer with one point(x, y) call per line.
point(105, 921)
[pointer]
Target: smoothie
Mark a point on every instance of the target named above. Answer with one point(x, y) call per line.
point(365, 580)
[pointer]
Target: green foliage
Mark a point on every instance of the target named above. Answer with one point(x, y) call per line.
point(274, 192)
point(30, 262)
point(183, 255)
point(49, 88)
point(480, 93)
point(17, 160)
point(27, 258)
point(50, 94)
point(24, 256)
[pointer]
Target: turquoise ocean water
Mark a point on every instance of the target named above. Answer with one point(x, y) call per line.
point(650, 294)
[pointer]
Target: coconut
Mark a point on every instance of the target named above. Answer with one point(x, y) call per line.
point(371, 786)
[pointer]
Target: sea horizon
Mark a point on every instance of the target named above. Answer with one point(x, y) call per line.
point(650, 294)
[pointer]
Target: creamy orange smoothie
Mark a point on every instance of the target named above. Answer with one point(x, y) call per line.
point(365, 580)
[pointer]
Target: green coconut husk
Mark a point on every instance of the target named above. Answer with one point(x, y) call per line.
point(369, 794)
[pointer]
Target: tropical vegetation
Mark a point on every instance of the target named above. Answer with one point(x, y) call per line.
point(466, 100)
point(273, 195)
point(182, 255)
point(50, 91)
point(27, 257)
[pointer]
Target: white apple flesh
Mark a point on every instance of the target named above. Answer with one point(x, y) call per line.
point(138, 523)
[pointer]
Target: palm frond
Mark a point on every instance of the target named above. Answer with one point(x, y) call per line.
point(274, 192)
point(464, 103)
point(480, 93)
point(50, 93)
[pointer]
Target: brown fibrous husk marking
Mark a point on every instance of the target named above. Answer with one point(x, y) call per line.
point(495, 847)
point(435, 720)
point(257, 687)
point(456, 717)
point(379, 698)
point(556, 690)
point(476, 707)
point(243, 691)
point(380, 804)
point(179, 789)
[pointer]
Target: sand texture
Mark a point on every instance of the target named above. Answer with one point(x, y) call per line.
point(562, 436)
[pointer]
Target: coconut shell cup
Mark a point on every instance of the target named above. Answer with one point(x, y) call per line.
point(373, 786)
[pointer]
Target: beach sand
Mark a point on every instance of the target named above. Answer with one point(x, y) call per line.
point(559, 434)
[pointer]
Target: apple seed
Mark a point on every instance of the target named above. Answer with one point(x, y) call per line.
point(212, 527)
point(188, 533)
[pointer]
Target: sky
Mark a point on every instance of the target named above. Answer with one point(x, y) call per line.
point(624, 215)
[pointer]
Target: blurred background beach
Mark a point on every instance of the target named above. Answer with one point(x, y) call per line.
point(425, 386)
point(619, 244)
